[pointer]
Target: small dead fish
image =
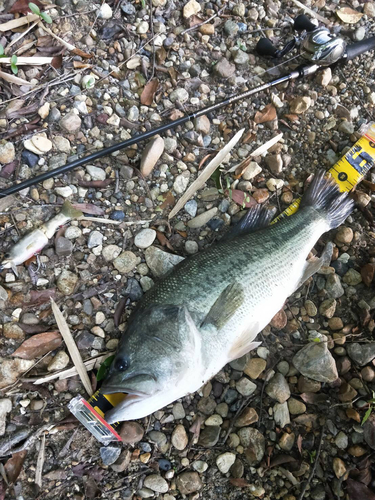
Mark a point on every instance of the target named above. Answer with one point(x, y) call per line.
point(210, 308)
point(33, 242)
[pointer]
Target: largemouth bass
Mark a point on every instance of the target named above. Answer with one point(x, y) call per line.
point(32, 243)
point(210, 308)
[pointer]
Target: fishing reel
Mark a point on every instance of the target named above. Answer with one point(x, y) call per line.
point(317, 44)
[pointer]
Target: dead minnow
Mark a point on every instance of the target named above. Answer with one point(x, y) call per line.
point(33, 242)
point(210, 308)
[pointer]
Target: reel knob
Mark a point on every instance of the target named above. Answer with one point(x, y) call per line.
point(265, 47)
point(303, 23)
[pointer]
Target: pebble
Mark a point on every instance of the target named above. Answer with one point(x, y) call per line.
point(274, 184)
point(346, 127)
point(224, 68)
point(13, 331)
point(160, 262)
point(188, 482)
point(191, 247)
point(241, 58)
point(105, 11)
point(278, 388)
point(209, 436)
point(66, 282)
point(96, 173)
point(191, 207)
point(225, 461)
point(324, 77)
point(347, 392)
point(59, 362)
point(339, 467)
point(179, 438)
point(369, 9)
point(202, 124)
point(95, 239)
point(281, 414)
point(181, 182)
point(73, 232)
point(283, 367)
point(125, 262)
point(328, 307)
point(352, 277)
point(344, 236)
point(64, 191)
point(181, 95)
point(215, 420)
point(117, 215)
point(10, 369)
point(145, 238)
point(286, 441)
point(334, 287)
point(164, 464)
point(43, 111)
point(160, 439)
point(341, 440)
point(300, 104)
point(7, 153)
point(109, 454)
point(99, 317)
point(5, 407)
point(178, 411)
point(202, 219)
point(254, 367)
point(316, 362)
point(200, 466)
point(296, 407)
point(191, 8)
point(275, 163)
point(368, 374)
point(71, 122)
point(156, 483)
point(29, 158)
point(110, 252)
point(245, 387)
point(251, 171)
point(62, 144)
point(254, 443)
point(3, 294)
point(247, 417)
point(362, 354)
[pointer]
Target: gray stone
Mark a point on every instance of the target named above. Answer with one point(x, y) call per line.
point(275, 163)
point(362, 354)
point(178, 411)
point(241, 58)
point(316, 362)
point(225, 461)
point(300, 104)
point(230, 27)
point(66, 282)
point(110, 252)
point(346, 127)
point(71, 122)
point(334, 287)
point(7, 153)
point(278, 388)
point(181, 182)
point(125, 262)
point(188, 482)
point(352, 277)
point(96, 173)
point(5, 407)
point(160, 262)
point(209, 436)
point(202, 219)
point(245, 387)
point(156, 483)
point(202, 124)
point(145, 238)
point(3, 294)
point(180, 95)
point(63, 247)
point(341, 440)
point(133, 290)
point(95, 239)
point(224, 68)
point(179, 438)
point(254, 443)
point(191, 247)
point(191, 207)
point(109, 454)
point(133, 114)
point(281, 414)
point(160, 439)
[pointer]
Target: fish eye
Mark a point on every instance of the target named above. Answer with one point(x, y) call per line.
point(122, 363)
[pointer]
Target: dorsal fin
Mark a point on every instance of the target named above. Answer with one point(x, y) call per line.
point(256, 218)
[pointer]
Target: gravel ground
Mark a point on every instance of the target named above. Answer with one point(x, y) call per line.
point(284, 422)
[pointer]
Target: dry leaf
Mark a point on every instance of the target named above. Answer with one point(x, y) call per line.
point(281, 459)
point(119, 311)
point(239, 482)
point(313, 398)
point(241, 198)
point(88, 208)
point(79, 52)
point(359, 491)
point(292, 117)
point(38, 297)
point(14, 79)
point(168, 201)
point(38, 345)
point(22, 7)
point(72, 347)
point(81, 65)
point(95, 184)
point(149, 91)
point(203, 161)
point(57, 62)
point(267, 114)
point(16, 23)
point(14, 465)
point(163, 240)
point(348, 15)
point(299, 443)
point(206, 173)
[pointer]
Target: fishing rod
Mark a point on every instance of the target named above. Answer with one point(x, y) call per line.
point(317, 45)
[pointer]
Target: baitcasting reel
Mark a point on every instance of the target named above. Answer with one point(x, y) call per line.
point(317, 44)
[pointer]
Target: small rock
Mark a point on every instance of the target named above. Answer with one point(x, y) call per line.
point(191, 8)
point(110, 252)
point(117, 215)
point(339, 467)
point(160, 439)
point(368, 374)
point(133, 290)
point(247, 417)
point(105, 11)
point(286, 441)
point(254, 443)
point(344, 236)
point(191, 247)
point(181, 182)
point(274, 185)
point(225, 461)
point(369, 9)
point(209, 436)
point(327, 308)
point(178, 411)
point(160, 262)
point(275, 163)
point(66, 282)
point(245, 387)
point(7, 153)
point(316, 362)
point(202, 219)
point(31, 159)
point(145, 238)
point(109, 454)
point(73, 232)
point(191, 207)
point(347, 392)
point(300, 104)
point(156, 483)
point(131, 432)
point(281, 414)
point(334, 287)
point(180, 95)
point(59, 362)
point(215, 420)
point(278, 388)
point(125, 262)
point(254, 367)
point(62, 144)
point(71, 122)
point(352, 277)
point(122, 462)
point(188, 482)
point(63, 247)
point(43, 111)
point(231, 27)
point(95, 239)
point(324, 77)
point(3, 294)
point(179, 438)
point(200, 466)
point(346, 127)
point(224, 68)
point(241, 58)
point(133, 114)
point(13, 331)
point(96, 173)
point(296, 407)
point(202, 124)
point(252, 170)
point(64, 191)
point(341, 440)
point(5, 407)
point(10, 369)
point(362, 354)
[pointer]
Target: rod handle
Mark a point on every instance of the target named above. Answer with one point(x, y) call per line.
point(265, 47)
point(356, 49)
point(303, 23)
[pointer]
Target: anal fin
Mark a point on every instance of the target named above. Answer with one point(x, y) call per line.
point(225, 306)
point(312, 266)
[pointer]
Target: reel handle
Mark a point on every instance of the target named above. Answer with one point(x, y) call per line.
point(265, 47)
point(303, 23)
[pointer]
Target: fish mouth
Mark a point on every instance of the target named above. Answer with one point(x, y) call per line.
point(128, 385)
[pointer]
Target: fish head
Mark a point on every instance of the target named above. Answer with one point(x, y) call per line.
point(153, 357)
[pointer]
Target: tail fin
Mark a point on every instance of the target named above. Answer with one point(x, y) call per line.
point(69, 211)
point(324, 195)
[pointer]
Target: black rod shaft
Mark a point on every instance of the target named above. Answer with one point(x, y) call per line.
point(146, 135)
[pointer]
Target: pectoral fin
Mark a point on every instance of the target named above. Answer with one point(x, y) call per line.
point(226, 305)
